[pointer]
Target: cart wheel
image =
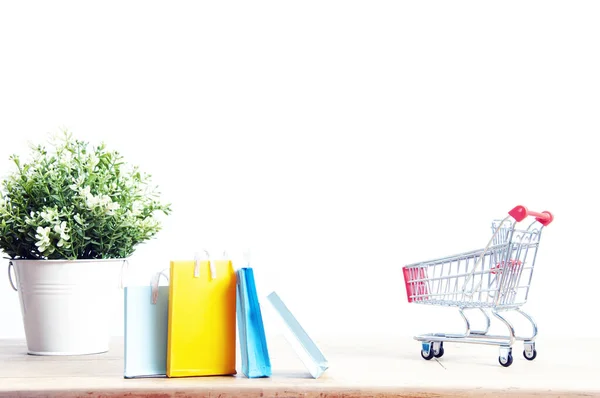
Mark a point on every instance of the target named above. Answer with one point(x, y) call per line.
point(439, 352)
point(427, 356)
point(530, 355)
point(506, 363)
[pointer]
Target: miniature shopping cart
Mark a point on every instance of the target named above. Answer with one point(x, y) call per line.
point(495, 279)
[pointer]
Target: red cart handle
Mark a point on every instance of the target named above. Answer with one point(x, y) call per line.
point(520, 212)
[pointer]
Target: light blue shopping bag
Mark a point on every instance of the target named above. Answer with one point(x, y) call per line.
point(146, 327)
point(253, 343)
point(306, 349)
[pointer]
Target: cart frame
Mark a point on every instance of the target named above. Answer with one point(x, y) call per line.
point(493, 280)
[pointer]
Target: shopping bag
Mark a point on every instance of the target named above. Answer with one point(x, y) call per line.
point(146, 325)
point(202, 318)
point(306, 349)
point(253, 342)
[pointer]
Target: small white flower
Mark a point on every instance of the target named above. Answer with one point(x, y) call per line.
point(64, 238)
point(65, 158)
point(49, 215)
point(76, 186)
point(43, 237)
point(111, 207)
point(84, 191)
point(93, 160)
point(136, 209)
point(62, 230)
point(104, 200)
point(78, 219)
point(91, 200)
point(148, 223)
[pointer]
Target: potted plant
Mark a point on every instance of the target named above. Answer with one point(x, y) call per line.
point(69, 218)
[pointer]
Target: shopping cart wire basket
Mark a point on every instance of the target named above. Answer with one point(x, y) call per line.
point(494, 279)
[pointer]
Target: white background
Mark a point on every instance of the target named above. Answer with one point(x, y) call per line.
point(336, 140)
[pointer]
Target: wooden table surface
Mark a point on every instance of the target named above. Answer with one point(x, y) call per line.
point(360, 367)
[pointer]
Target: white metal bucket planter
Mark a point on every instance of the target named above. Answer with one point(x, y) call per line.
point(65, 304)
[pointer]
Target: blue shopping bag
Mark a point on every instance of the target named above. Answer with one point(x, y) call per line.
point(303, 345)
point(146, 327)
point(253, 343)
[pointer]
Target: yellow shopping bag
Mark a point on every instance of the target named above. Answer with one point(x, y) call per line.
point(202, 318)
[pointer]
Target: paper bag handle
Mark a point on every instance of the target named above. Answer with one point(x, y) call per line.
point(213, 269)
point(154, 284)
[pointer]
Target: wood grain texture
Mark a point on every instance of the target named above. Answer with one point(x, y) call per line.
point(379, 366)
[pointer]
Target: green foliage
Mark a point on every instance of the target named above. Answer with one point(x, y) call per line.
point(76, 202)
